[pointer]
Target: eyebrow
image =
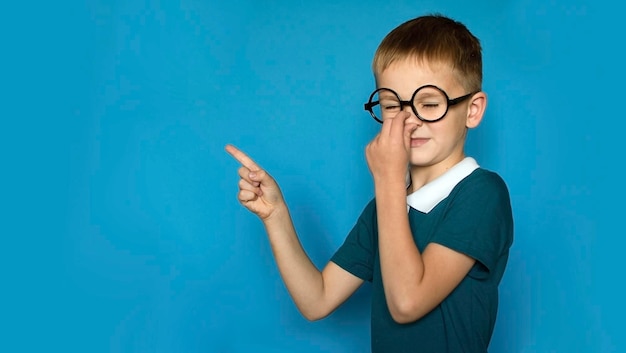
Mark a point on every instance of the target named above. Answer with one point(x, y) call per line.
point(428, 94)
point(386, 95)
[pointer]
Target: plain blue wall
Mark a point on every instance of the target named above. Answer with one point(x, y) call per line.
point(120, 228)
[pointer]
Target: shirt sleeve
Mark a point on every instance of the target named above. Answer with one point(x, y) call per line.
point(356, 254)
point(478, 221)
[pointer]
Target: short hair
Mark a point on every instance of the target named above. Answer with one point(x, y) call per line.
point(434, 39)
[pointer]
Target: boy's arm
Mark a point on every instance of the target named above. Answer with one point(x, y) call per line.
point(414, 283)
point(315, 293)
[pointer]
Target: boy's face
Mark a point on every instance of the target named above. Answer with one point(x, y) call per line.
point(434, 145)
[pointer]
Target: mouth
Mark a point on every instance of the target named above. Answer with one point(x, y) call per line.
point(419, 141)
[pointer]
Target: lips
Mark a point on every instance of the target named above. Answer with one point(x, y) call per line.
point(419, 141)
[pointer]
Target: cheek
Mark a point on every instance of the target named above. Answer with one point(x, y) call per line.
point(449, 129)
point(456, 123)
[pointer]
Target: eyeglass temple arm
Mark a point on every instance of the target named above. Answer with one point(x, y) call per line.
point(460, 99)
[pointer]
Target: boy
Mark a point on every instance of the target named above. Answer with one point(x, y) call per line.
point(434, 242)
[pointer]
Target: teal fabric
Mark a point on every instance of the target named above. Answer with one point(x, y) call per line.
point(475, 219)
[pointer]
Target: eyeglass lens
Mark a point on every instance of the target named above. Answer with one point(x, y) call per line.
point(429, 103)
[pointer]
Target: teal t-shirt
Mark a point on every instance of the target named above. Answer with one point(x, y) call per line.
point(475, 219)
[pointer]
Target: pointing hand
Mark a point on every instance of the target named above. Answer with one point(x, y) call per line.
point(258, 191)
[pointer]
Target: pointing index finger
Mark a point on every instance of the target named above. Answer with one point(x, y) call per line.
point(242, 158)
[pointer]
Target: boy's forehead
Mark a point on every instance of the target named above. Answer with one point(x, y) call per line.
point(409, 74)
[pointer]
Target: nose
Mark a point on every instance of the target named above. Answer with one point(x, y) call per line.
point(412, 118)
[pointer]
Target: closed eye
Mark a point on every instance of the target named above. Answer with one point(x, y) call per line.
point(391, 107)
point(430, 105)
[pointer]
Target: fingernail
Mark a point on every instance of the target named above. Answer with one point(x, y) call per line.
point(252, 175)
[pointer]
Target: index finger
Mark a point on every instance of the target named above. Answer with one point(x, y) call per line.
point(396, 124)
point(242, 158)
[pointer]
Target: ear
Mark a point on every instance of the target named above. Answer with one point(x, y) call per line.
point(476, 110)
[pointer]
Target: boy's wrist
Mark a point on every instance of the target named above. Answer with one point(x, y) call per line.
point(389, 189)
point(391, 182)
point(277, 216)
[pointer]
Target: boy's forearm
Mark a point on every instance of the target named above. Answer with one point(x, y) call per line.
point(401, 263)
point(301, 277)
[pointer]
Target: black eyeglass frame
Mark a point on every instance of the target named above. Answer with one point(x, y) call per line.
point(450, 102)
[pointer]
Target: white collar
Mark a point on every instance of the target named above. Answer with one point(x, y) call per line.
point(430, 195)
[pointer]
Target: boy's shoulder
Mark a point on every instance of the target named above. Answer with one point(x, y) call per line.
point(485, 178)
point(483, 187)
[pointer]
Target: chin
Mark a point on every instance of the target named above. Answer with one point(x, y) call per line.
point(420, 162)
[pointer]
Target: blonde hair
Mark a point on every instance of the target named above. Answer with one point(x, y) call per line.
point(435, 39)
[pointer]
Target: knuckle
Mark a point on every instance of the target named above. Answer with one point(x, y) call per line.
point(244, 196)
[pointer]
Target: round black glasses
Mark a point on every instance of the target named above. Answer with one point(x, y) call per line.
point(429, 103)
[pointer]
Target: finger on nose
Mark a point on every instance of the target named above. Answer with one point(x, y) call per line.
point(411, 119)
point(403, 114)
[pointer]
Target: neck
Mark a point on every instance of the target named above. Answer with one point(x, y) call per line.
point(422, 175)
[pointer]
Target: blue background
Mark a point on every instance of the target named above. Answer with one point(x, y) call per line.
point(120, 229)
